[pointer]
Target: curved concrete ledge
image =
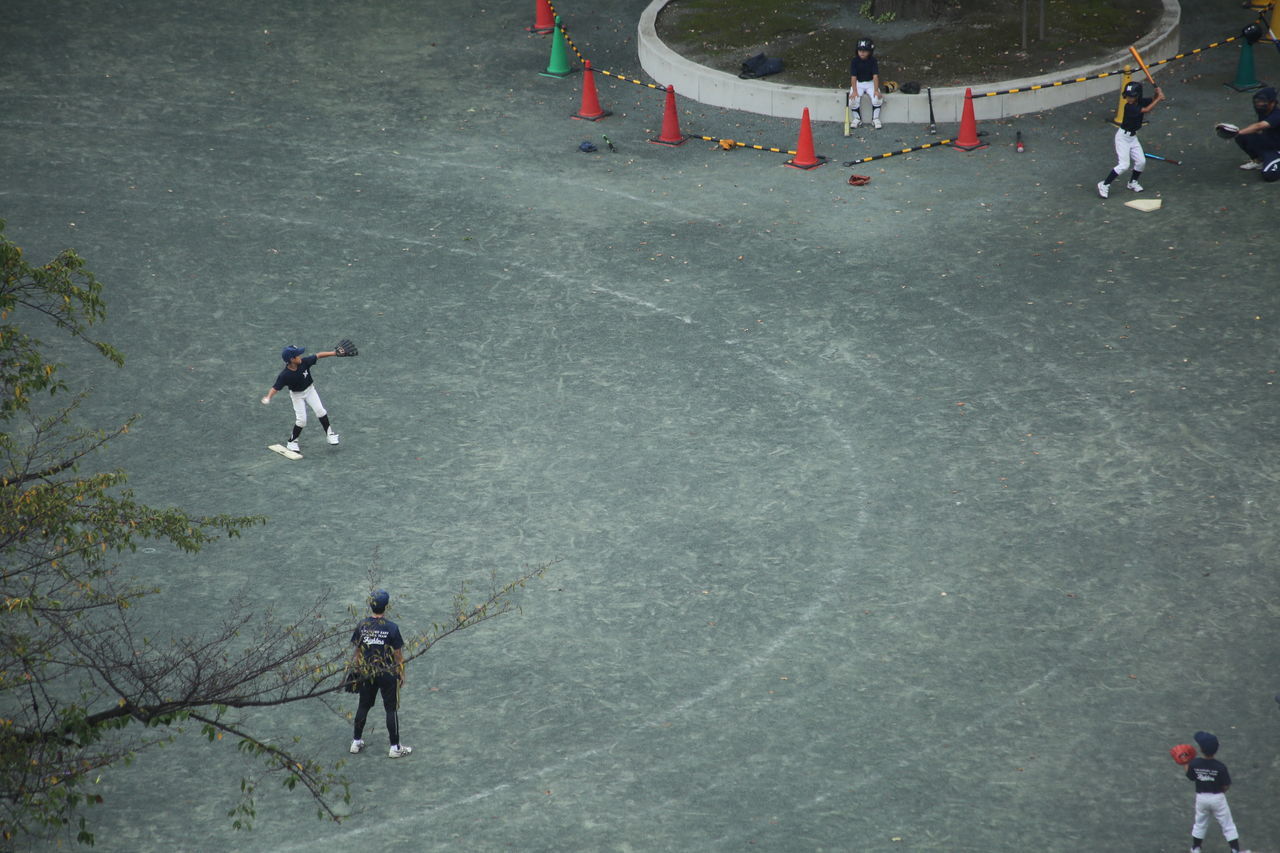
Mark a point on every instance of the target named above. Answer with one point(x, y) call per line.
point(718, 89)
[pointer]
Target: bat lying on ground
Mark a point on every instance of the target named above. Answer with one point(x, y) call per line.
point(1165, 159)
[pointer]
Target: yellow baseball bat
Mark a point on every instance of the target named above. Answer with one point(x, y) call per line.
point(1143, 65)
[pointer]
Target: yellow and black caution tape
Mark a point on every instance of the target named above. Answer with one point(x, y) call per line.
point(1103, 74)
point(940, 143)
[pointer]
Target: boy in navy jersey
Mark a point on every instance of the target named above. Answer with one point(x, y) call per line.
point(1261, 140)
point(296, 376)
point(1212, 779)
point(379, 659)
point(1128, 149)
point(864, 79)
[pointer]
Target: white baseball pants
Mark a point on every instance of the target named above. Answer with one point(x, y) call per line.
point(302, 399)
point(867, 88)
point(1216, 805)
point(1129, 151)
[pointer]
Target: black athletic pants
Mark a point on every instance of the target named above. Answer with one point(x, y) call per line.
point(388, 686)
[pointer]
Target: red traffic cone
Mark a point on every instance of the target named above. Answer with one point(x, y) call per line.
point(805, 158)
point(968, 139)
point(543, 20)
point(671, 134)
point(590, 109)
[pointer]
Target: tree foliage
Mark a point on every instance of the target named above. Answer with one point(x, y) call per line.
point(86, 682)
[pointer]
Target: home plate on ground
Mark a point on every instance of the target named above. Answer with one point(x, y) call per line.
point(1146, 205)
point(284, 451)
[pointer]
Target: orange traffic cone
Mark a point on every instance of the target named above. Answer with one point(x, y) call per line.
point(671, 134)
point(543, 20)
point(968, 139)
point(805, 158)
point(590, 109)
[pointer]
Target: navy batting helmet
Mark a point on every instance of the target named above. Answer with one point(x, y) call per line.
point(1132, 90)
point(866, 44)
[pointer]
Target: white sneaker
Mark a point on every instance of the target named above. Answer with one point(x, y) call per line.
point(1103, 190)
point(857, 122)
point(333, 437)
point(1252, 164)
point(1135, 186)
point(876, 123)
point(399, 751)
point(292, 445)
point(356, 746)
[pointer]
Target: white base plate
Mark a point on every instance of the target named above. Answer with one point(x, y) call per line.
point(284, 451)
point(1146, 205)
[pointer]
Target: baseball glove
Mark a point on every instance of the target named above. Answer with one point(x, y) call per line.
point(1226, 131)
point(346, 348)
point(1183, 753)
point(859, 180)
point(351, 681)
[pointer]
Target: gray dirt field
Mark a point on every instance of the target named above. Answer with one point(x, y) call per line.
point(921, 516)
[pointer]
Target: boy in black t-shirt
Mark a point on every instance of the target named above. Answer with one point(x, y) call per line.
point(864, 79)
point(1212, 779)
point(296, 376)
point(1129, 153)
point(379, 660)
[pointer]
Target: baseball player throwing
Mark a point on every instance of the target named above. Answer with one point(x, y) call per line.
point(296, 376)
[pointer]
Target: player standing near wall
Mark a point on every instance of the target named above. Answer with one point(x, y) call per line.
point(864, 79)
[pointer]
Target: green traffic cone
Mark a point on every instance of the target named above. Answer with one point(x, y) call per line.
point(1245, 79)
point(559, 64)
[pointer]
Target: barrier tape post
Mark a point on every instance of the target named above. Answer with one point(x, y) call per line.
point(1245, 75)
point(671, 134)
point(805, 158)
point(543, 21)
point(1128, 75)
point(968, 139)
point(590, 109)
point(558, 66)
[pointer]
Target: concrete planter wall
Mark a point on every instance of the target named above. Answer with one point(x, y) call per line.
point(716, 88)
